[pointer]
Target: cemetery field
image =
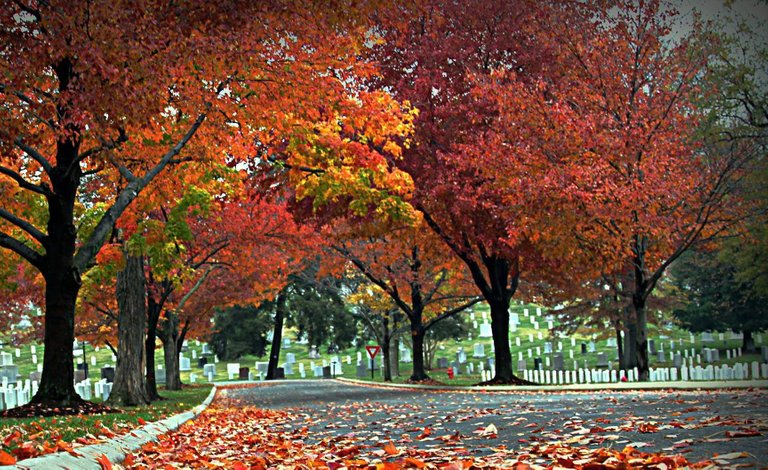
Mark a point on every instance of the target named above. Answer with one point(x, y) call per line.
point(48, 434)
point(534, 336)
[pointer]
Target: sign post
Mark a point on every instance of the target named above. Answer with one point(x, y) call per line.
point(372, 352)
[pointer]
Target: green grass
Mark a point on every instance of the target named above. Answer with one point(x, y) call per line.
point(47, 431)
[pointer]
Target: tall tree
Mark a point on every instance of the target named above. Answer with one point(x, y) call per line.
point(435, 62)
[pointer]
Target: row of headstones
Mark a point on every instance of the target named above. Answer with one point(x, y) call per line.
point(739, 371)
point(16, 394)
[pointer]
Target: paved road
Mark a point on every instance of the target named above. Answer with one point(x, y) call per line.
point(698, 424)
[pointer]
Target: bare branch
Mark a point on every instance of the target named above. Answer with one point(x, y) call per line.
point(39, 189)
point(33, 231)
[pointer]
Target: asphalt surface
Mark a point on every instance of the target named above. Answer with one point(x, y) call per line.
point(698, 424)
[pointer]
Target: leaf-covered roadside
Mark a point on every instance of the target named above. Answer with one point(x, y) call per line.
point(229, 436)
point(32, 437)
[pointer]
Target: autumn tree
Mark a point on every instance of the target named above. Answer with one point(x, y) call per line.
point(656, 178)
point(411, 267)
point(96, 93)
point(439, 62)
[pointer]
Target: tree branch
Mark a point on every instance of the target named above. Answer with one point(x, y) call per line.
point(34, 258)
point(33, 231)
point(37, 156)
point(39, 189)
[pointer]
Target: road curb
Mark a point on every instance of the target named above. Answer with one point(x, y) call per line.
point(621, 386)
point(115, 449)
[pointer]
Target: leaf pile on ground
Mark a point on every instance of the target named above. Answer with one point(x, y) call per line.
point(33, 437)
point(228, 435)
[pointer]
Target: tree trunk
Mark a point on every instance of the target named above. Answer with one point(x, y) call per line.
point(57, 382)
point(129, 388)
point(641, 340)
point(277, 337)
point(619, 342)
point(417, 339)
point(169, 335)
point(385, 344)
point(748, 343)
point(500, 330)
point(630, 339)
point(153, 316)
point(394, 358)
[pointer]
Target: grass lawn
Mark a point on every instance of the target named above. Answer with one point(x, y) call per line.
point(29, 437)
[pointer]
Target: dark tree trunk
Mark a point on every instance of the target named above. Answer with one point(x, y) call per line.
point(630, 339)
point(169, 335)
point(500, 330)
point(641, 340)
point(394, 358)
point(129, 388)
point(386, 339)
point(417, 339)
point(62, 278)
point(748, 343)
point(619, 341)
point(153, 317)
point(57, 381)
point(277, 337)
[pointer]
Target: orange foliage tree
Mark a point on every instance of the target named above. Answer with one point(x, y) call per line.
point(110, 94)
point(411, 267)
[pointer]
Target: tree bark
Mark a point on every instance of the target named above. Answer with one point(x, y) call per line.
point(394, 358)
point(153, 316)
point(500, 331)
point(169, 335)
point(619, 342)
point(277, 337)
point(57, 381)
point(641, 340)
point(62, 277)
point(417, 341)
point(630, 339)
point(748, 342)
point(129, 388)
point(386, 336)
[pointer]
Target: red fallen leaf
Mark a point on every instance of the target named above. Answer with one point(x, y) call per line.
point(391, 449)
point(239, 466)
point(744, 433)
point(427, 432)
point(645, 427)
point(142, 421)
point(415, 462)
point(6, 458)
point(12, 437)
point(129, 460)
point(348, 451)
point(104, 462)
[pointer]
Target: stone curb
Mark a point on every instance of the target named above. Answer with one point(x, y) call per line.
point(621, 386)
point(115, 449)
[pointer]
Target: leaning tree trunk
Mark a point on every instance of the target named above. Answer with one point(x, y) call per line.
point(129, 388)
point(277, 338)
point(153, 317)
point(169, 335)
